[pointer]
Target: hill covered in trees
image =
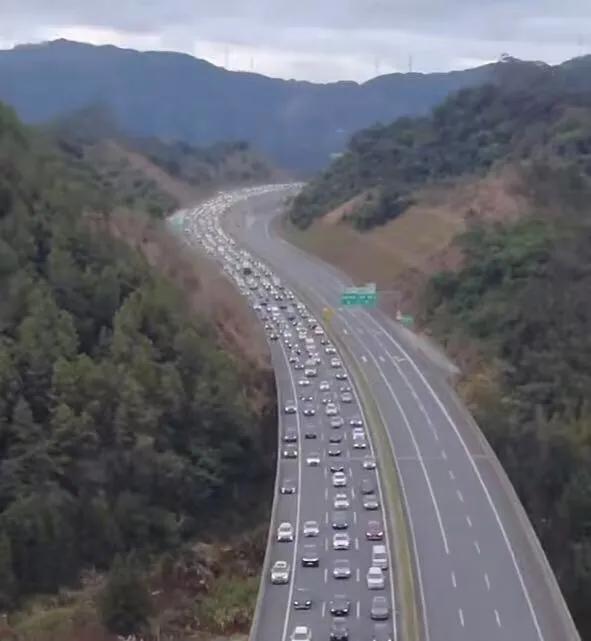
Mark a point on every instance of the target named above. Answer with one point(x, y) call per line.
point(472, 131)
point(124, 425)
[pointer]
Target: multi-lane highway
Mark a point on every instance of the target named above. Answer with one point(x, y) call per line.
point(480, 572)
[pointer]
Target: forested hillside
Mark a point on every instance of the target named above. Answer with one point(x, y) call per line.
point(470, 132)
point(123, 424)
point(520, 308)
point(150, 174)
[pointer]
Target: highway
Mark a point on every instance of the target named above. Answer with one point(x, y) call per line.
point(480, 573)
point(333, 447)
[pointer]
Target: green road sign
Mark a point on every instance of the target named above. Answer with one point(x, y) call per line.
point(360, 296)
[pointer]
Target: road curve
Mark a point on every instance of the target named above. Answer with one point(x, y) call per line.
point(481, 571)
point(276, 617)
point(482, 575)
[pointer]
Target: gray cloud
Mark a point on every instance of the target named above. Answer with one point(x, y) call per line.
point(308, 39)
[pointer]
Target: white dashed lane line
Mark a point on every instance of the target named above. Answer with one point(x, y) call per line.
point(461, 616)
point(453, 580)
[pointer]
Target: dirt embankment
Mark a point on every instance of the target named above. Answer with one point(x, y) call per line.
point(403, 254)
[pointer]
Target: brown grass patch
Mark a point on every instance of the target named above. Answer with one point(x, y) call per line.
point(405, 252)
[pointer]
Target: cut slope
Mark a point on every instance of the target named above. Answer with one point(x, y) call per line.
point(402, 254)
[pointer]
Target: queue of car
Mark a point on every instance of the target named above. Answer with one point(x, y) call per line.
point(288, 322)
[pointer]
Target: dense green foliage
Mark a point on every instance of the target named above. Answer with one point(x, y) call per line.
point(123, 424)
point(468, 133)
point(523, 297)
point(125, 603)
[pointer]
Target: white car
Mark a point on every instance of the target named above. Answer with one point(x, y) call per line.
point(341, 541)
point(313, 460)
point(290, 408)
point(311, 372)
point(341, 502)
point(280, 572)
point(331, 409)
point(304, 382)
point(285, 532)
point(324, 386)
point(335, 362)
point(339, 479)
point(329, 349)
point(375, 578)
point(301, 633)
point(358, 432)
point(369, 463)
point(311, 528)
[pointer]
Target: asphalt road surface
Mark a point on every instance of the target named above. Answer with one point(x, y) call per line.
point(480, 576)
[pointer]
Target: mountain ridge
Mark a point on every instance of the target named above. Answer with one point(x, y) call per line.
point(298, 124)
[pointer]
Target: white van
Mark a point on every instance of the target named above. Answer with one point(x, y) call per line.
point(379, 556)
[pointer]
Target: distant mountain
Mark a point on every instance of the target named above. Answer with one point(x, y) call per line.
point(176, 96)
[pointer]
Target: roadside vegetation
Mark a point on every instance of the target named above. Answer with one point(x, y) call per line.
point(469, 133)
point(125, 426)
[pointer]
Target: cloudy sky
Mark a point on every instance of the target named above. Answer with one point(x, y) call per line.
point(319, 40)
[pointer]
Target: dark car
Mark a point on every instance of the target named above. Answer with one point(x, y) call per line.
point(336, 422)
point(335, 438)
point(291, 436)
point(334, 451)
point(339, 521)
point(340, 606)
point(310, 434)
point(339, 630)
point(367, 486)
point(290, 452)
point(310, 556)
point(309, 411)
point(374, 531)
point(356, 422)
point(288, 487)
point(337, 467)
point(302, 599)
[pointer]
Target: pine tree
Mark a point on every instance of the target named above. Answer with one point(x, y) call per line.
point(125, 603)
point(8, 584)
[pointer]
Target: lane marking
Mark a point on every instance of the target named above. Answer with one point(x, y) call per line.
point(382, 358)
point(489, 499)
point(357, 575)
point(452, 476)
point(487, 581)
point(326, 544)
point(460, 496)
point(461, 615)
point(477, 546)
point(358, 613)
point(418, 453)
point(323, 609)
point(498, 618)
point(355, 517)
point(468, 521)
point(444, 455)
point(326, 575)
point(364, 358)
point(356, 543)
point(345, 332)
point(453, 579)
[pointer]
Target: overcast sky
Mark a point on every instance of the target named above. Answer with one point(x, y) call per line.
point(319, 40)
